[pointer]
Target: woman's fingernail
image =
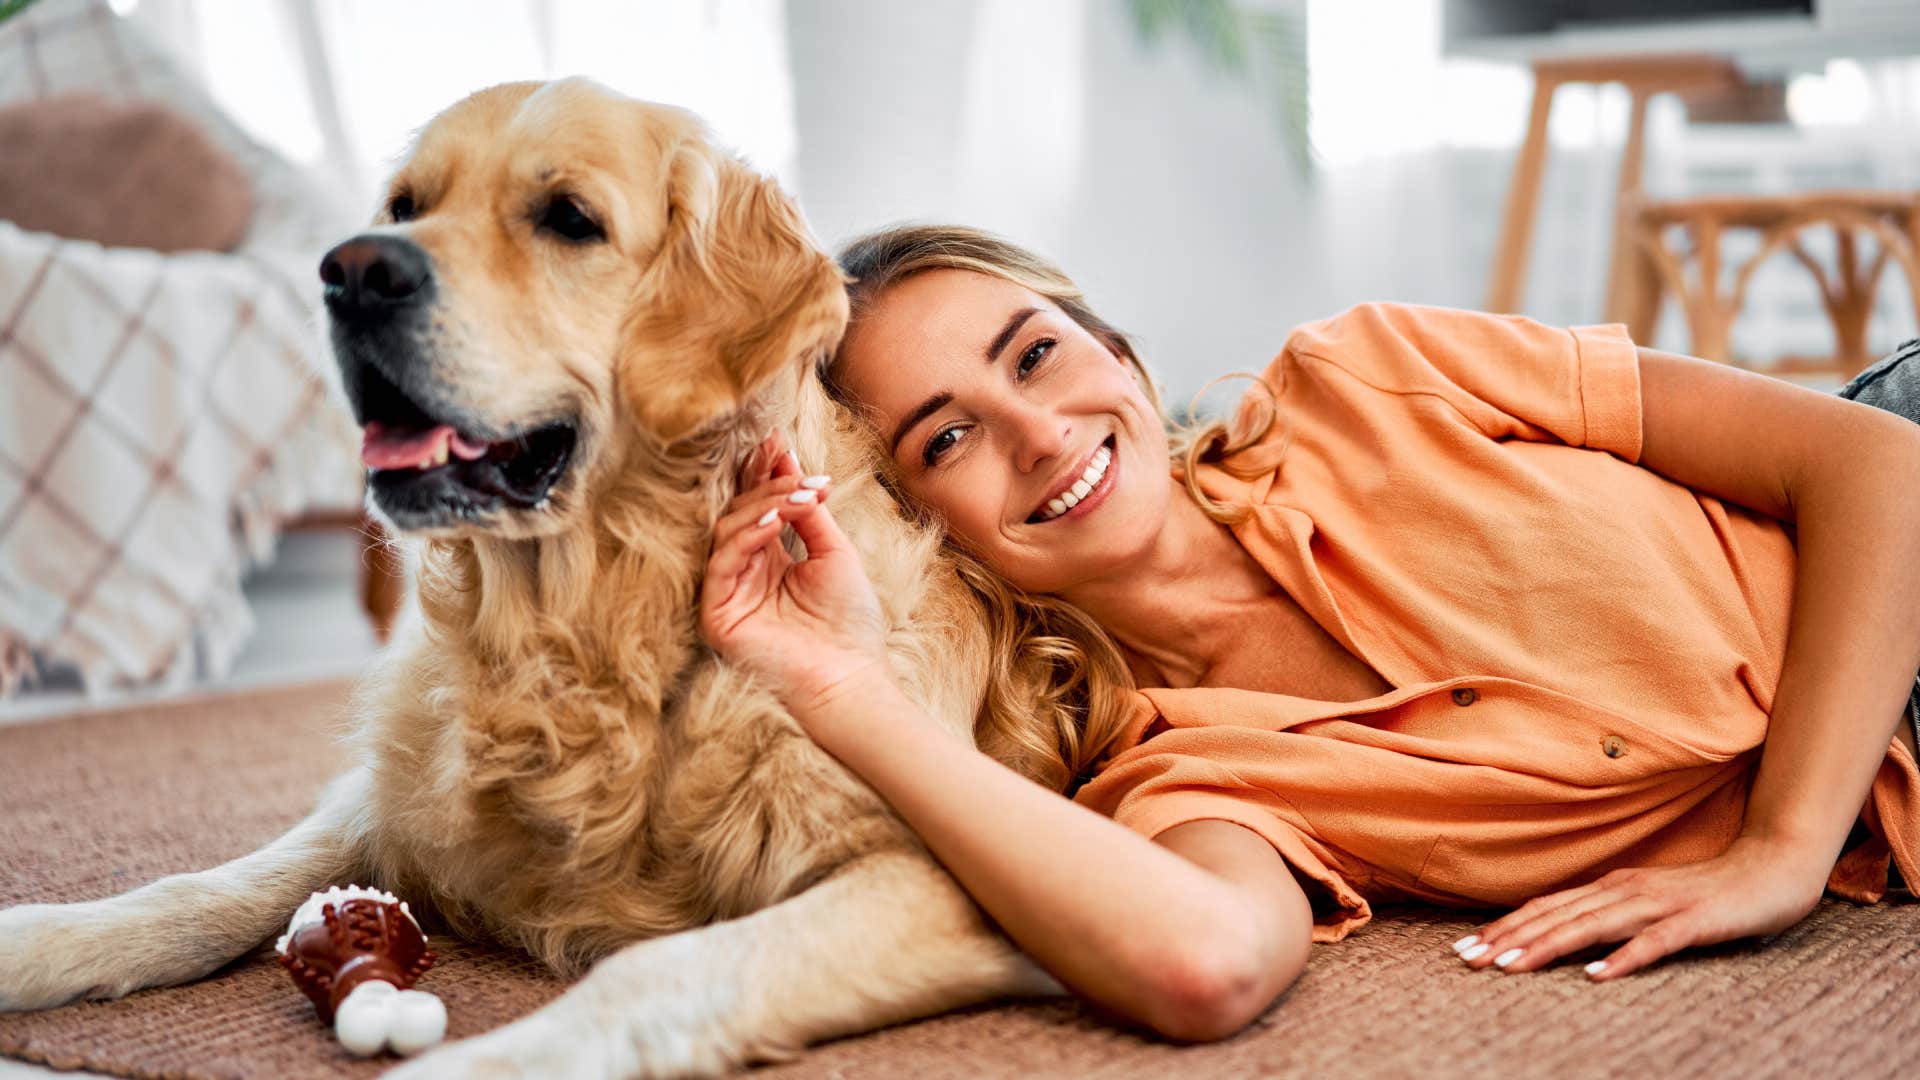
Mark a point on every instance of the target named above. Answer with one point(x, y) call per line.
point(1506, 958)
point(767, 518)
point(816, 482)
point(804, 495)
point(1475, 952)
point(1466, 942)
point(1597, 967)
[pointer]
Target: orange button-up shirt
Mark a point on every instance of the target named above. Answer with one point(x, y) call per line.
point(1584, 652)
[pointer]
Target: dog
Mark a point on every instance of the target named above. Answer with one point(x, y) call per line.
point(572, 321)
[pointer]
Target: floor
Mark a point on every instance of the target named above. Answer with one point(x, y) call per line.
point(309, 625)
point(20, 1070)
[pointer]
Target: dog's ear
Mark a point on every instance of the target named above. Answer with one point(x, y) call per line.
point(738, 293)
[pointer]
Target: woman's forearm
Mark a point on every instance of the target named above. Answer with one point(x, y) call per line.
point(1111, 914)
point(1853, 645)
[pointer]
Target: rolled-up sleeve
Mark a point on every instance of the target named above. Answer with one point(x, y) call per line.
point(1152, 791)
point(1610, 389)
point(1508, 375)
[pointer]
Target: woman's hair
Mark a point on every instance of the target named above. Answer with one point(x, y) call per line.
point(1059, 690)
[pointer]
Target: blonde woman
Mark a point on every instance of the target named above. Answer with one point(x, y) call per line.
point(1461, 609)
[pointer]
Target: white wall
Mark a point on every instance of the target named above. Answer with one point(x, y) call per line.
point(1164, 189)
point(1161, 186)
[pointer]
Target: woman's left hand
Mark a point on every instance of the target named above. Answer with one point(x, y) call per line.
point(1755, 887)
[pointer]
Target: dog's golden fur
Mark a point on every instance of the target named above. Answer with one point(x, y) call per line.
point(551, 757)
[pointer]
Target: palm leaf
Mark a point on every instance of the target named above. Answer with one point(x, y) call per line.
point(1265, 46)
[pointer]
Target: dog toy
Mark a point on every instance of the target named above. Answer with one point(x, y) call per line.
point(355, 953)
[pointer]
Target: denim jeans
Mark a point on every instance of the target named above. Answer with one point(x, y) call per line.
point(1893, 384)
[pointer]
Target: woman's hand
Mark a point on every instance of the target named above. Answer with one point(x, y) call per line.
point(812, 627)
point(1754, 887)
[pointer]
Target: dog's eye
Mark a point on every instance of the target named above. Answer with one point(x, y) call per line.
point(563, 218)
point(400, 208)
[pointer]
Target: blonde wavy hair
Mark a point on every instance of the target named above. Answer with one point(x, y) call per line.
point(1059, 690)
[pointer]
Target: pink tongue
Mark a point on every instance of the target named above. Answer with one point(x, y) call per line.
point(384, 449)
point(468, 451)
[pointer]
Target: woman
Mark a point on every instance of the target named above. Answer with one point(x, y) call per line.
point(1462, 609)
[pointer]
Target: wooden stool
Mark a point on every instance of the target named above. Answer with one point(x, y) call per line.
point(1892, 219)
point(383, 573)
point(1690, 74)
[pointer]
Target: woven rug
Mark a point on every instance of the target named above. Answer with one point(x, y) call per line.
point(93, 805)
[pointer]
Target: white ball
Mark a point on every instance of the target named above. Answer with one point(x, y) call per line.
point(362, 1020)
point(419, 1021)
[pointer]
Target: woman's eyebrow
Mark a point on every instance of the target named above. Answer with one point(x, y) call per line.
point(939, 401)
point(926, 408)
point(1006, 333)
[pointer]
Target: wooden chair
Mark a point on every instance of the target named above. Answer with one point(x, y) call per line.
point(1891, 220)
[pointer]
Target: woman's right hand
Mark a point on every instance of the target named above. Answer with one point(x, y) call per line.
point(811, 627)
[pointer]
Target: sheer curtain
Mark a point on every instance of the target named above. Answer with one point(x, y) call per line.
point(339, 86)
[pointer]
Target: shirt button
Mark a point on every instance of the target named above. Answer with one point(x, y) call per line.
point(1466, 695)
point(1613, 746)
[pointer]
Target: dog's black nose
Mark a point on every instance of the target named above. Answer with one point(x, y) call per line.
point(371, 272)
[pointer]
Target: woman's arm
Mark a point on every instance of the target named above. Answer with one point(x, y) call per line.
point(1194, 947)
point(1193, 936)
point(1846, 475)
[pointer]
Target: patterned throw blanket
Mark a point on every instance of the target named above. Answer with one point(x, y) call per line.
point(160, 415)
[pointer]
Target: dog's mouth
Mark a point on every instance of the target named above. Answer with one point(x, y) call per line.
point(423, 469)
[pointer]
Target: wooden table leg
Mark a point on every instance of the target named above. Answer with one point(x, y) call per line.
point(1523, 198)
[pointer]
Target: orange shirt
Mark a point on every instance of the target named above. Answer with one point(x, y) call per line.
point(1584, 652)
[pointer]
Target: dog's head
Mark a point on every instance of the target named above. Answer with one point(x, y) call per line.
point(558, 278)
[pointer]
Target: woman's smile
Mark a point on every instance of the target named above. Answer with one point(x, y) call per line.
point(1080, 493)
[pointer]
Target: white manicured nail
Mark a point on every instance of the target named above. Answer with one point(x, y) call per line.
point(1474, 953)
point(1596, 967)
point(816, 482)
point(767, 518)
point(1466, 942)
point(804, 495)
point(1506, 958)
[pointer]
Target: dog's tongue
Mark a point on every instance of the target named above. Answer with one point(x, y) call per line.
point(387, 448)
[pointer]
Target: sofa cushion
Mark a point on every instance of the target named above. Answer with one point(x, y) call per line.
point(121, 173)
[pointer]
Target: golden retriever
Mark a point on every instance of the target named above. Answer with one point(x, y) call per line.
point(572, 321)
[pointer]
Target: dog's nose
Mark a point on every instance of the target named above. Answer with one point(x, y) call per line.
point(372, 272)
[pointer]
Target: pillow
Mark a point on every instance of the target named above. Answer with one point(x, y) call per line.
point(121, 173)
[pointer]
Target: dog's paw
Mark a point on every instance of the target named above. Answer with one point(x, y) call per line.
point(561, 1040)
point(52, 954)
point(523, 1050)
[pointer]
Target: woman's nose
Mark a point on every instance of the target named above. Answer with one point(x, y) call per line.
point(1039, 437)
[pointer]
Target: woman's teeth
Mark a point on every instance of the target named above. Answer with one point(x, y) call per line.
point(1071, 497)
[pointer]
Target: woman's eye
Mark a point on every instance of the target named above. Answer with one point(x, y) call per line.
point(1035, 355)
point(943, 440)
point(564, 218)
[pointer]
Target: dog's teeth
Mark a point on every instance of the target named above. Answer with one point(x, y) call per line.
point(440, 454)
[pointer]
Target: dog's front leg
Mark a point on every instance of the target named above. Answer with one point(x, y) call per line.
point(180, 927)
point(889, 938)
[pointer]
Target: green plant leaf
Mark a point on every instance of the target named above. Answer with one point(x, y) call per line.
point(1264, 46)
point(10, 8)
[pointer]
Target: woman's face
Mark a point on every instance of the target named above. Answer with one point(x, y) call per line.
point(1026, 434)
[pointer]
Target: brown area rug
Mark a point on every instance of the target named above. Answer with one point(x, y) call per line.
point(94, 805)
